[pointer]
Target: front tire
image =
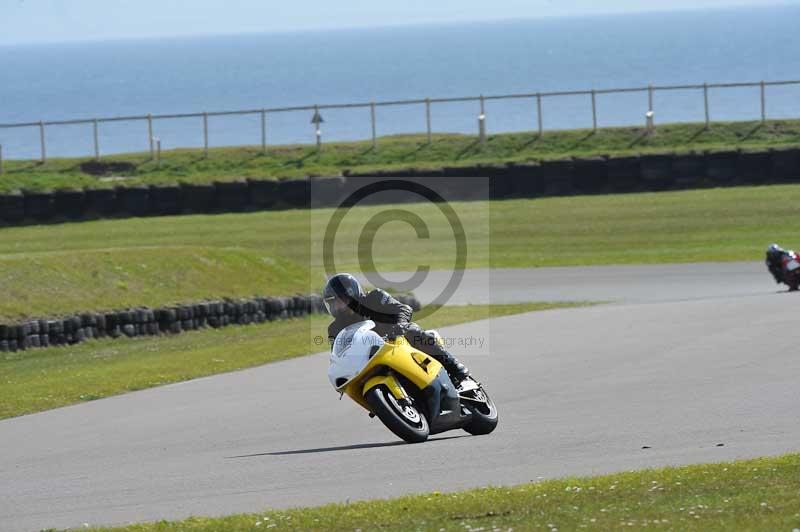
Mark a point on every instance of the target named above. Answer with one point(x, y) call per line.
point(404, 420)
point(484, 413)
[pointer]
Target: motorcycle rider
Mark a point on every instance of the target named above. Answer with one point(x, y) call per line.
point(348, 304)
point(775, 260)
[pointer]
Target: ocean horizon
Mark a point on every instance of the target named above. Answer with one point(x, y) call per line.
point(84, 80)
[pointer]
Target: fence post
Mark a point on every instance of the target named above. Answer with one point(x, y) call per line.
point(96, 141)
point(705, 100)
point(539, 112)
point(372, 117)
point(482, 123)
point(158, 152)
point(763, 103)
point(1, 159)
point(650, 97)
point(594, 111)
point(263, 131)
point(317, 129)
point(150, 135)
point(42, 143)
point(205, 134)
point(428, 119)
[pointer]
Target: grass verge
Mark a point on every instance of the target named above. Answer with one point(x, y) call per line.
point(408, 151)
point(759, 494)
point(41, 379)
point(112, 264)
point(108, 279)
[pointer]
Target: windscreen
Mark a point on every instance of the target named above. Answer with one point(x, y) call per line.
point(344, 340)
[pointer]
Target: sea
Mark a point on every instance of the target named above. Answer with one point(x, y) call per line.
point(63, 81)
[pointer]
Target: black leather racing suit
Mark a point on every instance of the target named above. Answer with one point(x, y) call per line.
point(775, 265)
point(393, 318)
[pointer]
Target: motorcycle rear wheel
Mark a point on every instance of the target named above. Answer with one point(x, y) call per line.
point(484, 414)
point(405, 421)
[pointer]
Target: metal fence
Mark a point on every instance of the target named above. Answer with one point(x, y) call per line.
point(703, 90)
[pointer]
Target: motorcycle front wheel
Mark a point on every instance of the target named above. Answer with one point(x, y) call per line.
point(403, 419)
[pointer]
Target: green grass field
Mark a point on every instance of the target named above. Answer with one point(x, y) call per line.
point(41, 379)
point(753, 495)
point(190, 165)
point(111, 264)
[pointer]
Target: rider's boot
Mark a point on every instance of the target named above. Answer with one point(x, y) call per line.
point(457, 371)
point(428, 343)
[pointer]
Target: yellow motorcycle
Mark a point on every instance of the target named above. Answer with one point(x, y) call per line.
point(409, 391)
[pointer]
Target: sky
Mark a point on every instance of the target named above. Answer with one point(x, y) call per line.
point(38, 21)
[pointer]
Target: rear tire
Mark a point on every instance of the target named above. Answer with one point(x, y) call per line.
point(484, 415)
point(405, 421)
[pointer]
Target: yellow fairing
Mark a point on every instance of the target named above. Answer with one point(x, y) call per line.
point(401, 358)
point(387, 380)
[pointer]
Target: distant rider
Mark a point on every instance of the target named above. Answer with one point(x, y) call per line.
point(348, 304)
point(776, 259)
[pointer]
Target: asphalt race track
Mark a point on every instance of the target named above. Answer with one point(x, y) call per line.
point(692, 363)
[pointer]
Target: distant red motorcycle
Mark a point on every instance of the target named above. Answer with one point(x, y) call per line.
point(790, 265)
point(784, 265)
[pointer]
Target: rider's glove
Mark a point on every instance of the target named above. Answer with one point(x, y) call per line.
point(396, 331)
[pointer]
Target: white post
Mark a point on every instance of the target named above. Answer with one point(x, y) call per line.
point(42, 143)
point(96, 141)
point(205, 134)
point(263, 131)
point(374, 133)
point(150, 136)
point(318, 129)
point(763, 103)
point(539, 112)
point(705, 100)
point(594, 111)
point(482, 123)
point(428, 119)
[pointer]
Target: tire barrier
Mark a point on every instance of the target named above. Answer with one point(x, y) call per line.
point(165, 200)
point(722, 168)
point(39, 206)
point(133, 201)
point(558, 177)
point(263, 194)
point(197, 198)
point(12, 209)
point(754, 167)
point(689, 170)
point(232, 196)
point(136, 322)
point(101, 203)
point(588, 175)
point(516, 180)
point(624, 173)
point(656, 172)
point(71, 204)
point(784, 164)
